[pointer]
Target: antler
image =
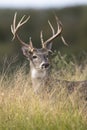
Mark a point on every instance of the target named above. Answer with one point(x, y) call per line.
point(15, 28)
point(59, 32)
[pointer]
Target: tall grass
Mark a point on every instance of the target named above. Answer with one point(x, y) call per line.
point(21, 109)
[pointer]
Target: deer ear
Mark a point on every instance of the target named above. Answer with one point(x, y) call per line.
point(26, 51)
point(49, 46)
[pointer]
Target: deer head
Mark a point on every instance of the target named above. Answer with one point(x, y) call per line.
point(38, 57)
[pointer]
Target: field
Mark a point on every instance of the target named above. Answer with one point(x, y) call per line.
point(21, 109)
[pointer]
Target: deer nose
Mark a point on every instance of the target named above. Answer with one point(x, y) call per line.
point(45, 65)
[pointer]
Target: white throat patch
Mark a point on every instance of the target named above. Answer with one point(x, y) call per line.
point(38, 74)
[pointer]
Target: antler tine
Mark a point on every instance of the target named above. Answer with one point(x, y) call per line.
point(59, 31)
point(53, 31)
point(31, 44)
point(64, 40)
point(41, 37)
point(41, 34)
point(21, 22)
point(15, 28)
point(59, 24)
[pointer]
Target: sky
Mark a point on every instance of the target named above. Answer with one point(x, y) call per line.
point(40, 3)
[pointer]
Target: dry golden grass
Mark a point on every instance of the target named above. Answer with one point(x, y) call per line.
point(21, 109)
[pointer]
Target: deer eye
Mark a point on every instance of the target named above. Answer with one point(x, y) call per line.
point(34, 57)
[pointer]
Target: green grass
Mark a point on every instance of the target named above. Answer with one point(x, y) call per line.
point(21, 109)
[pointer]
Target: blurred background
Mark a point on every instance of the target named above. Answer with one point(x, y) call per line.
point(73, 15)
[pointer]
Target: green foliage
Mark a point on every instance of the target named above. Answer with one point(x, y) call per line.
point(74, 65)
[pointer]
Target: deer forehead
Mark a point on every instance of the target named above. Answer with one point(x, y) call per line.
point(40, 52)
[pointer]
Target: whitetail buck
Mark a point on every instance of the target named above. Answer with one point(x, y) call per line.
point(39, 60)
